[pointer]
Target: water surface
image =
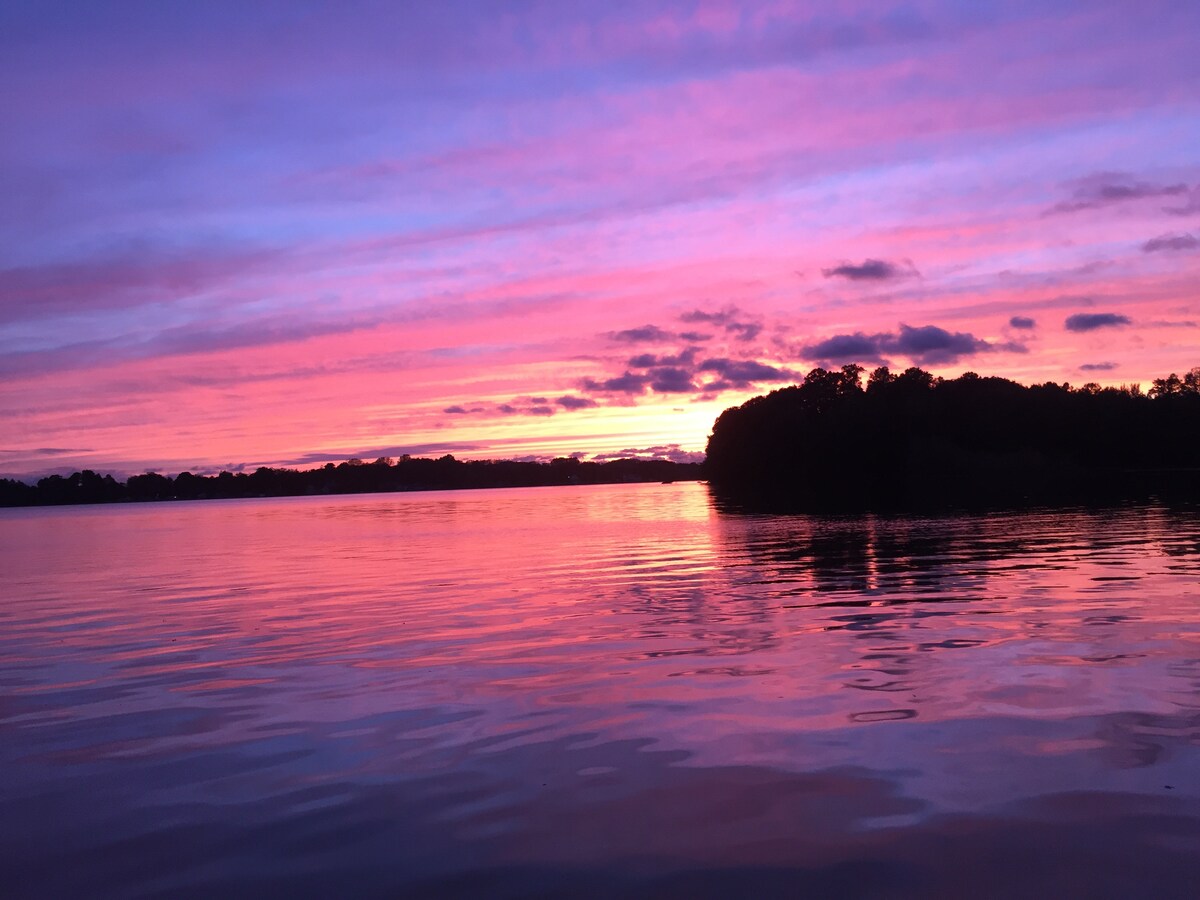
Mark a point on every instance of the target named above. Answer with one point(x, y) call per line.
point(598, 691)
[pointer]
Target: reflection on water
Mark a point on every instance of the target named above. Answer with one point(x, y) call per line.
point(617, 690)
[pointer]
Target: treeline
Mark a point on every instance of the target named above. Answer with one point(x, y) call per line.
point(911, 440)
point(352, 477)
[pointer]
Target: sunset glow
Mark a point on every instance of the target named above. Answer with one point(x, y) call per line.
point(235, 235)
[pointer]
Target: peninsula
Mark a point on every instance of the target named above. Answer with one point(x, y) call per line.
point(912, 440)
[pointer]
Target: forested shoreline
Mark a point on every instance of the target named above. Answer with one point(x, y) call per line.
point(903, 440)
point(351, 477)
point(913, 440)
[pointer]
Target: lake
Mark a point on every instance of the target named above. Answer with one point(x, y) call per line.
point(621, 690)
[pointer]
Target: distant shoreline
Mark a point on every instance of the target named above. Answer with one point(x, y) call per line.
point(384, 476)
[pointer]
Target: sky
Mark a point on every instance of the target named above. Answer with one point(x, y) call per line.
point(243, 234)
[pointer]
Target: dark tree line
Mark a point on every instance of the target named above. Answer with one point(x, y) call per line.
point(911, 439)
point(352, 477)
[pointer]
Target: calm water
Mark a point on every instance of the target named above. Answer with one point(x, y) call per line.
point(606, 691)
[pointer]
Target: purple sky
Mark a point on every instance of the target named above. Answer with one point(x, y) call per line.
point(283, 233)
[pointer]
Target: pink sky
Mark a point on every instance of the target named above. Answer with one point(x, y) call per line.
point(235, 235)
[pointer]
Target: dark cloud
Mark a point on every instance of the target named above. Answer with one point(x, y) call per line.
point(1170, 242)
point(537, 409)
point(743, 372)
point(930, 344)
point(1098, 367)
point(47, 451)
point(846, 348)
point(678, 374)
point(455, 411)
point(570, 402)
point(869, 270)
point(673, 452)
point(648, 360)
point(1023, 322)
point(627, 383)
point(671, 380)
point(721, 317)
point(1109, 188)
point(1092, 321)
point(695, 337)
point(743, 331)
point(926, 345)
point(644, 335)
point(730, 318)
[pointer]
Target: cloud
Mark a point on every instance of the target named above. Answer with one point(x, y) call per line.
point(870, 270)
point(1098, 367)
point(743, 331)
point(1170, 242)
point(678, 373)
point(1190, 207)
point(1092, 321)
point(627, 383)
point(644, 335)
point(714, 318)
point(572, 403)
point(672, 452)
point(47, 451)
point(743, 372)
point(927, 345)
point(1110, 188)
point(930, 344)
point(695, 337)
point(537, 409)
point(1022, 322)
point(523, 406)
point(671, 380)
point(648, 360)
point(731, 319)
point(845, 348)
point(142, 276)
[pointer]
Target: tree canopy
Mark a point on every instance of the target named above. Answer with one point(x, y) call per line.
point(911, 438)
point(354, 476)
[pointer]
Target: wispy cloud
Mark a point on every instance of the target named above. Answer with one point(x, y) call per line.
point(871, 270)
point(1113, 188)
point(1170, 242)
